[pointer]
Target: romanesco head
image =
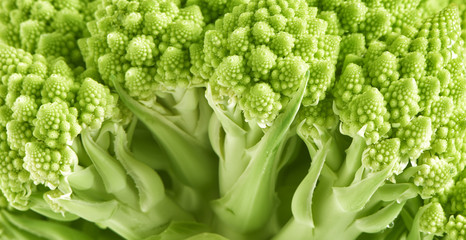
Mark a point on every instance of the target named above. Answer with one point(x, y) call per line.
point(455, 227)
point(402, 100)
point(350, 84)
point(366, 110)
point(56, 124)
point(433, 219)
point(415, 136)
point(434, 175)
point(382, 154)
point(15, 182)
point(261, 102)
point(94, 103)
point(131, 39)
point(47, 165)
point(317, 116)
point(42, 111)
point(50, 28)
point(269, 43)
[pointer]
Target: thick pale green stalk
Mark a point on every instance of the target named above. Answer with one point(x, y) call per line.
point(301, 204)
point(230, 136)
point(9, 231)
point(228, 142)
point(148, 183)
point(249, 204)
point(380, 219)
point(180, 230)
point(137, 209)
point(343, 208)
point(192, 161)
point(127, 221)
point(356, 196)
point(295, 230)
point(147, 150)
point(353, 162)
point(112, 173)
point(333, 222)
point(44, 229)
point(39, 205)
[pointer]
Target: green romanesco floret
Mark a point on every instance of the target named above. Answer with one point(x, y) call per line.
point(440, 111)
point(367, 110)
point(151, 33)
point(18, 134)
point(422, 91)
point(94, 103)
point(256, 59)
point(413, 65)
point(415, 136)
point(141, 50)
point(402, 100)
point(351, 14)
point(50, 28)
point(261, 61)
point(457, 203)
point(354, 44)
point(288, 74)
point(305, 47)
point(48, 165)
point(173, 68)
point(212, 10)
point(271, 43)
point(350, 84)
point(380, 155)
point(374, 19)
point(32, 85)
point(58, 88)
point(449, 137)
point(434, 176)
point(433, 219)
point(333, 24)
point(15, 183)
point(383, 70)
point(56, 124)
point(455, 227)
point(400, 92)
point(261, 103)
point(284, 43)
point(320, 80)
point(40, 121)
point(399, 45)
point(320, 116)
point(230, 73)
point(24, 109)
point(429, 90)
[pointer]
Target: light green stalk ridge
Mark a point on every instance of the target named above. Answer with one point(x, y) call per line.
point(248, 205)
